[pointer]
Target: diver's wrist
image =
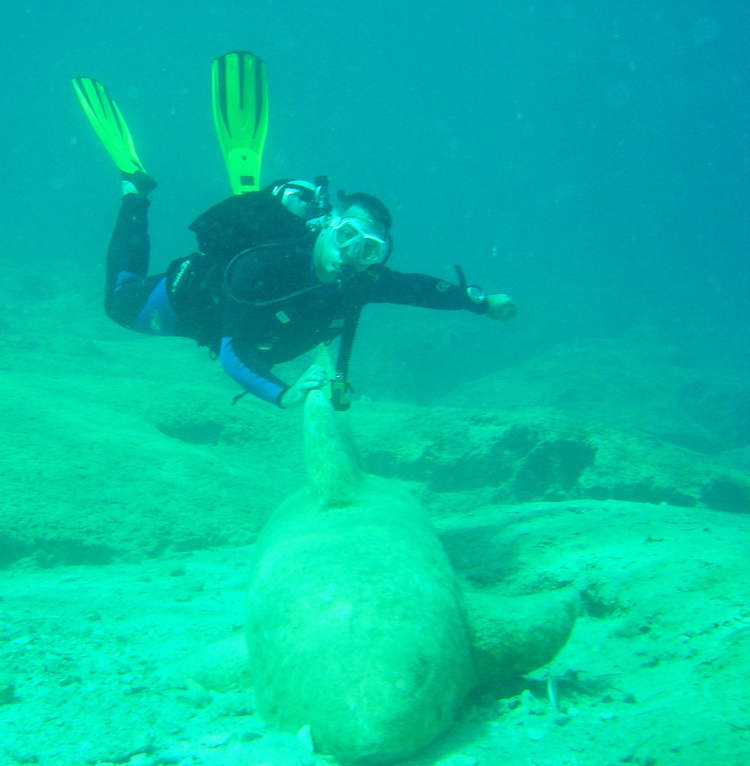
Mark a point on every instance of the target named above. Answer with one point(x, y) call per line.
point(477, 298)
point(280, 398)
point(476, 295)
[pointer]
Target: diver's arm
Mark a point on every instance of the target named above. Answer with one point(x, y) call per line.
point(389, 286)
point(259, 381)
point(240, 364)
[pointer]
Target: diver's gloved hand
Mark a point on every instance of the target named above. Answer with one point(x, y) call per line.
point(314, 377)
point(501, 307)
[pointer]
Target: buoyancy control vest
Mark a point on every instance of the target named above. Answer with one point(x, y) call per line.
point(229, 228)
point(225, 232)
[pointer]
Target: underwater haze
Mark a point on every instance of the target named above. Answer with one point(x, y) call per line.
point(589, 158)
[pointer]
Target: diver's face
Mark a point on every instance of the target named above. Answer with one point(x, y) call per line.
point(349, 241)
point(326, 257)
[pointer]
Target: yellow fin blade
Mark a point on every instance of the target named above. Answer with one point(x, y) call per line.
point(240, 108)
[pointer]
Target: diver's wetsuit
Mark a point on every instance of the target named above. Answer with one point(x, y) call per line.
point(272, 307)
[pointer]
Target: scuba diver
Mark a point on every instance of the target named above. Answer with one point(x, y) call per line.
point(279, 270)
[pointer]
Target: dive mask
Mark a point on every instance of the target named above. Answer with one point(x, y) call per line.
point(356, 243)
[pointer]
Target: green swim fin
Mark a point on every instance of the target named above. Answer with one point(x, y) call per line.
point(240, 105)
point(108, 122)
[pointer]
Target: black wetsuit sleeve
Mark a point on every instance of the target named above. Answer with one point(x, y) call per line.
point(421, 290)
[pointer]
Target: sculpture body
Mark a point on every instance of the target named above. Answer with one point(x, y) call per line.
point(355, 622)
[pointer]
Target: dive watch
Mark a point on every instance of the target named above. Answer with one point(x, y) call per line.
point(476, 294)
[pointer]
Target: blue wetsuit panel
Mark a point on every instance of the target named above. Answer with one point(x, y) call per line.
point(157, 316)
point(256, 384)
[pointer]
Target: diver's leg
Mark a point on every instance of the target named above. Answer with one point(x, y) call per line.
point(127, 261)
point(132, 298)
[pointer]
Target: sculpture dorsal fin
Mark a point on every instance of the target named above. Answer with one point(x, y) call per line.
point(331, 460)
point(333, 470)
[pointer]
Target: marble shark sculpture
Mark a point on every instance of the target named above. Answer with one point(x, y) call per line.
point(357, 625)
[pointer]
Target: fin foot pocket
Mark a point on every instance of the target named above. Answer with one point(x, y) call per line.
point(143, 183)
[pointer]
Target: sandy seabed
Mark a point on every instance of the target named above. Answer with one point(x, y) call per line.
point(655, 672)
point(132, 493)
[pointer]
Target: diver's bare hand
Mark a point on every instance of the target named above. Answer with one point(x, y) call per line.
point(314, 377)
point(500, 306)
